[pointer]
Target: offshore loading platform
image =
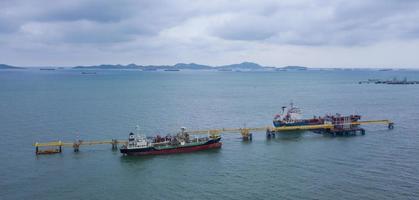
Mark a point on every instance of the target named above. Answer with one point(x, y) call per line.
point(338, 129)
point(289, 121)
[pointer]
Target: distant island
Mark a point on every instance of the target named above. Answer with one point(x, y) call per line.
point(240, 67)
point(3, 66)
point(244, 66)
point(294, 68)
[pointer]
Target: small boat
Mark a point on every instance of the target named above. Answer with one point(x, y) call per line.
point(181, 143)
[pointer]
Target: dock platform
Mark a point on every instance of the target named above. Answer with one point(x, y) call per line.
point(58, 145)
point(341, 129)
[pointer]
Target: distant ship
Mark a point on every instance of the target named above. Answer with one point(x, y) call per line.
point(171, 70)
point(291, 116)
point(88, 72)
point(225, 70)
point(150, 69)
point(180, 143)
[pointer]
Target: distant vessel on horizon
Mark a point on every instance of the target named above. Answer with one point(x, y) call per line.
point(394, 81)
point(88, 73)
point(171, 70)
point(149, 69)
point(49, 69)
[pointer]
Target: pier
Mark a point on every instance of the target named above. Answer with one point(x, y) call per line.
point(337, 129)
point(58, 145)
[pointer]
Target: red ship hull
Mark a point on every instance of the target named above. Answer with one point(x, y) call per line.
point(177, 150)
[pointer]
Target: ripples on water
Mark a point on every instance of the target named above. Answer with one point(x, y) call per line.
point(51, 105)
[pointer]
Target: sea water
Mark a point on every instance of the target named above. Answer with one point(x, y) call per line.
point(67, 105)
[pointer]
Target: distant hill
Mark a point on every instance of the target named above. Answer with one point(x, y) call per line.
point(3, 66)
point(294, 68)
point(181, 66)
point(104, 66)
point(147, 67)
point(155, 67)
point(243, 66)
point(191, 66)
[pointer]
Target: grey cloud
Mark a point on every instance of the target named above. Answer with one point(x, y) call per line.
point(155, 29)
point(92, 11)
point(78, 32)
point(91, 21)
point(301, 22)
point(335, 23)
point(6, 26)
point(246, 28)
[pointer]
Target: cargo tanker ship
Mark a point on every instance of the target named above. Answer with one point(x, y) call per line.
point(180, 143)
point(291, 116)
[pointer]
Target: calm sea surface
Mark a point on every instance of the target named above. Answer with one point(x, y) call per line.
point(65, 105)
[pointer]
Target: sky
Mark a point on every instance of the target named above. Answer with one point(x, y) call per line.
point(322, 33)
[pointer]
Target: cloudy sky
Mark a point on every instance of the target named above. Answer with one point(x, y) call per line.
point(322, 33)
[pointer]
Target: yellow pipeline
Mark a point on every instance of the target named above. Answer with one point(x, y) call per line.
point(47, 144)
point(285, 128)
point(70, 144)
point(306, 127)
point(372, 122)
point(214, 132)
